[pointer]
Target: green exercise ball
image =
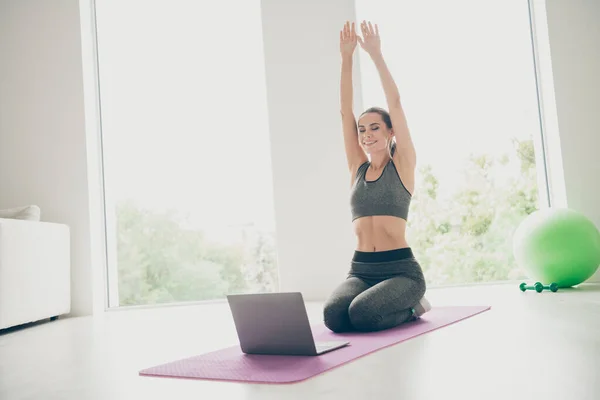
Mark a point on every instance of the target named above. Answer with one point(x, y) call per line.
point(557, 245)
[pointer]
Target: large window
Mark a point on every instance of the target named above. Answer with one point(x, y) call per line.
point(466, 74)
point(185, 149)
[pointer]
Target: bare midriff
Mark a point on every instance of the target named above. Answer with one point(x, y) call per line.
point(380, 233)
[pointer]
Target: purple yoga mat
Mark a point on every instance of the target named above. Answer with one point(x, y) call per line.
point(230, 364)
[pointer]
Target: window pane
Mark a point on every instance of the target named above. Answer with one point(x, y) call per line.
point(186, 149)
point(466, 76)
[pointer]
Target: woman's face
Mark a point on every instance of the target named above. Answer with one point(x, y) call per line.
point(373, 133)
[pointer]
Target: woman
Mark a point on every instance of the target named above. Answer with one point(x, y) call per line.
point(385, 285)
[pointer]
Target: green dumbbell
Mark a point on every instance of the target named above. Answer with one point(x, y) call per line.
point(539, 287)
point(553, 287)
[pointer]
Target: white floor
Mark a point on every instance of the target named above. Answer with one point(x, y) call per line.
point(528, 345)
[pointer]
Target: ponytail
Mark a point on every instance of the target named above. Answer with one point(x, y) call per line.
point(392, 148)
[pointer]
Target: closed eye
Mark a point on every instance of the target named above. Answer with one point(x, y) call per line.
point(364, 130)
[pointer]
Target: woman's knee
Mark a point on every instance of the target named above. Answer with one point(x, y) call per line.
point(335, 314)
point(335, 310)
point(363, 316)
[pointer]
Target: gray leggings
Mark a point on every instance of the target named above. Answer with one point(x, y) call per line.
point(379, 293)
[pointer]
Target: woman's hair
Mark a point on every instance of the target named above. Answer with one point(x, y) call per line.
point(388, 122)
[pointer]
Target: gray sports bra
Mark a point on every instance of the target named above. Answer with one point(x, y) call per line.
point(385, 196)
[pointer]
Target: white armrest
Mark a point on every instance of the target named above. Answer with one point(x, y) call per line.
point(35, 271)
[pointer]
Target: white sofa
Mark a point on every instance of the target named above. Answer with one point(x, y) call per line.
point(35, 272)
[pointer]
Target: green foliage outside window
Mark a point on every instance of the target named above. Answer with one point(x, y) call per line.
point(464, 238)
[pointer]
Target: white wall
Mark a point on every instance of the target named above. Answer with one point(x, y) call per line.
point(42, 124)
point(574, 34)
point(310, 177)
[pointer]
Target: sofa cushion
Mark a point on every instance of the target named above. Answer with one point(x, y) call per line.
point(29, 213)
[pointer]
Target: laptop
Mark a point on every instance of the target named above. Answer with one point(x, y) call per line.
point(276, 324)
